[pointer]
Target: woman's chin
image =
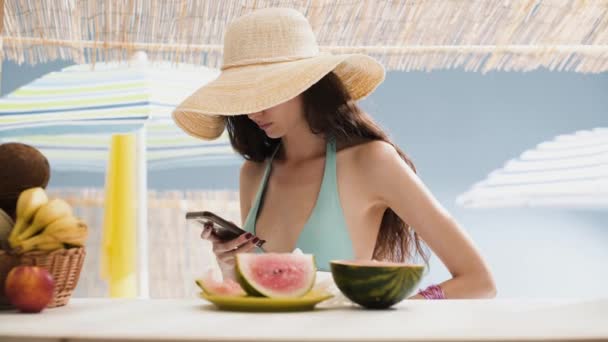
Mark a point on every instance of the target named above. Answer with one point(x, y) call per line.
point(273, 135)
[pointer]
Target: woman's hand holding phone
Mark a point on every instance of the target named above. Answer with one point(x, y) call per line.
point(225, 251)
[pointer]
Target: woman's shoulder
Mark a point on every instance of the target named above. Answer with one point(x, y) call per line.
point(251, 170)
point(368, 162)
point(375, 166)
point(366, 153)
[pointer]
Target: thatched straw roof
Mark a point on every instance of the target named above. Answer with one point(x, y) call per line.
point(478, 35)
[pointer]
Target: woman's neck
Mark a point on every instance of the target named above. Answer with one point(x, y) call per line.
point(301, 144)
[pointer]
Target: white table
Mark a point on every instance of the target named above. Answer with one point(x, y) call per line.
point(195, 319)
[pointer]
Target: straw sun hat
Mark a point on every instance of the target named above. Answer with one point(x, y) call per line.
point(270, 56)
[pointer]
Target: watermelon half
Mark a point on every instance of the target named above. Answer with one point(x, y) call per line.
point(276, 275)
point(214, 287)
point(376, 284)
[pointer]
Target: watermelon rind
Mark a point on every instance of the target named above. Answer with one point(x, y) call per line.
point(376, 285)
point(255, 289)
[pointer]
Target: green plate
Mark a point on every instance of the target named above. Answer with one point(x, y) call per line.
point(264, 304)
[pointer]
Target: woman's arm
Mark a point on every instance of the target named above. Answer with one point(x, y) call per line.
point(225, 251)
point(395, 185)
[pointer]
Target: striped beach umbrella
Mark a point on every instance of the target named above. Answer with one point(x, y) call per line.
point(570, 171)
point(58, 113)
point(167, 147)
point(104, 98)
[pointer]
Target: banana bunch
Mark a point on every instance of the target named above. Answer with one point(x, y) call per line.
point(6, 225)
point(44, 224)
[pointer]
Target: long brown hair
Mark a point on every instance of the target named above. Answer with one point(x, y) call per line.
point(331, 112)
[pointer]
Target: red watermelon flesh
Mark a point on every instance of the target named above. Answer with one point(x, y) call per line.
point(215, 287)
point(276, 275)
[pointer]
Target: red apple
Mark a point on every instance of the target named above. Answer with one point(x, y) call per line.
point(29, 288)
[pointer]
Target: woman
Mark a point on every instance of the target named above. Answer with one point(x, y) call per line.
point(319, 174)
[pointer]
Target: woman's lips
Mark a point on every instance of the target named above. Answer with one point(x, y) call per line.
point(265, 126)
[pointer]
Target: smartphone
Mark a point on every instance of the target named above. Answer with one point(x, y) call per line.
point(223, 229)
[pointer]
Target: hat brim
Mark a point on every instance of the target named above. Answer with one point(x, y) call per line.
point(253, 88)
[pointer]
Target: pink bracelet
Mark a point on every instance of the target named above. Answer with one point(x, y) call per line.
point(432, 292)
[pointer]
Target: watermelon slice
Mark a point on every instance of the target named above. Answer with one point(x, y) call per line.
point(276, 275)
point(215, 287)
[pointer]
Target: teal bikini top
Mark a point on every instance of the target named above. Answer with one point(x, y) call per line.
point(325, 234)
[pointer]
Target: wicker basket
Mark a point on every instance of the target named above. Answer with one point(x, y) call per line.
point(63, 264)
point(7, 262)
